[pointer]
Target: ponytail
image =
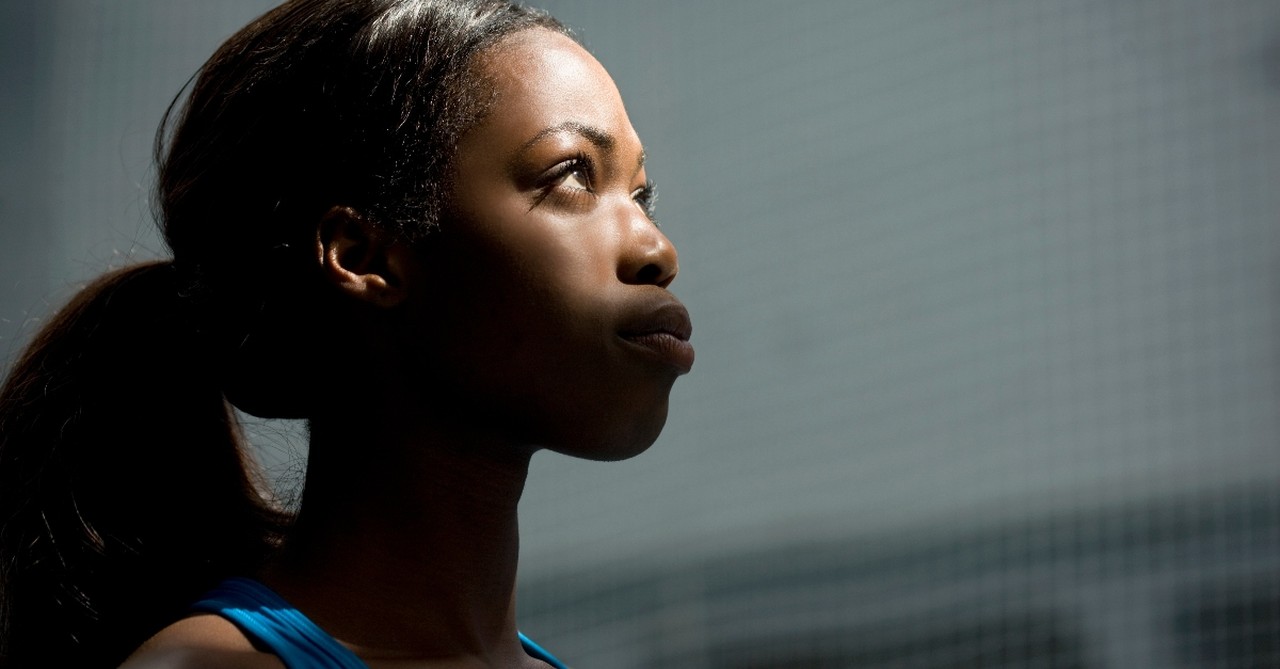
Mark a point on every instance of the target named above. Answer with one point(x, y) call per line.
point(316, 104)
point(124, 487)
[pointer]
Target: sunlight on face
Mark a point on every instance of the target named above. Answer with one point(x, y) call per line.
point(559, 319)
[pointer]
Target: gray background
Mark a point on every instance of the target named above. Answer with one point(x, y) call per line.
point(985, 305)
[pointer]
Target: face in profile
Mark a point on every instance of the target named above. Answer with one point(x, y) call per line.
point(545, 305)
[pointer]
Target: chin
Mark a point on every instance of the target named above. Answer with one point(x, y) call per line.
point(615, 439)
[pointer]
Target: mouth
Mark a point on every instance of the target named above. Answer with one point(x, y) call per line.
point(663, 334)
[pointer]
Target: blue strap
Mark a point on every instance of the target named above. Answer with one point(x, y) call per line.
point(266, 618)
point(538, 652)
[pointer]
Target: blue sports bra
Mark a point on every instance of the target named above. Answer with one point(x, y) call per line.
point(266, 618)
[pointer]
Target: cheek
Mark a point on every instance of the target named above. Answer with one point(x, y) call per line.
point(519, 333)
point(531, 290)
point(542, 368)
point(537, 280)
point(511, 322)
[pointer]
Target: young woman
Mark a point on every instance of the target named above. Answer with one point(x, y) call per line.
point(425, 226)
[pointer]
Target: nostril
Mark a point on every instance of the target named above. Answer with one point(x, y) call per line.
point(650, 273)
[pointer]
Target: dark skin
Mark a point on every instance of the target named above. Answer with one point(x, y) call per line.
point(538, 317)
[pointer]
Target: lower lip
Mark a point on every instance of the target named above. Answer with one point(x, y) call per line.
point(666, 347)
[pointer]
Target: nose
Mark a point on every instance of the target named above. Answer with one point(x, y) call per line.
point(648, 257)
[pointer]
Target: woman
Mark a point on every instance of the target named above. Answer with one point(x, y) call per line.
point(424, 226)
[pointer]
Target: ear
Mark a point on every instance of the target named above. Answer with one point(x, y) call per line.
point(361, 260)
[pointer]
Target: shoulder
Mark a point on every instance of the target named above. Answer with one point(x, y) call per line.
point(203, 641)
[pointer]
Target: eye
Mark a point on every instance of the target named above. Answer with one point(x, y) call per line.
point(575, 177)
point(568, 182)
point(574, 174)
point(646, 196)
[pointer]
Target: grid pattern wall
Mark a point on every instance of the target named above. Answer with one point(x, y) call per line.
point(985, 296)
point(984, 290)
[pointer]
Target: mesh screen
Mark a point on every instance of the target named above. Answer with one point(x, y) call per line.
point(984, 295)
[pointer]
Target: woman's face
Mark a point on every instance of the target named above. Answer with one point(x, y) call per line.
point(545, 304)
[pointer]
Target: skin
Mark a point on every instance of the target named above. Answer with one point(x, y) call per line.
point(538, 317)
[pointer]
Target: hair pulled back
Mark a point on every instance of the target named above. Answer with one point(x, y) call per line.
point(317, 104)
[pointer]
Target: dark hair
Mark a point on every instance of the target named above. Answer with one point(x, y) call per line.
point(317, 104)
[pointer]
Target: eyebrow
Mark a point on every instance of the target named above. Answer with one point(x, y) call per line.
point(601, 139)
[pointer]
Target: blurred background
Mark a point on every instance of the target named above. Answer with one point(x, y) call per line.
point(986, 306)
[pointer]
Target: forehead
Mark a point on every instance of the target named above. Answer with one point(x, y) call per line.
point(543, 79)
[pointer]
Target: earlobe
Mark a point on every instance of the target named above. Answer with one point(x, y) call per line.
point(359, 259)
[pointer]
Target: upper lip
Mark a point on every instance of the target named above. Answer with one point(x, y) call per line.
point(667, 316)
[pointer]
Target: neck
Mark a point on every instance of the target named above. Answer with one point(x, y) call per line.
point(407, 541)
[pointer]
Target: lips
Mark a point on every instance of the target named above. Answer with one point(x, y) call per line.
point(662, 332)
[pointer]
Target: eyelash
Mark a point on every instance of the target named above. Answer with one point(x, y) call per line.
point(645, 196)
